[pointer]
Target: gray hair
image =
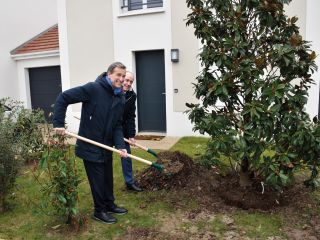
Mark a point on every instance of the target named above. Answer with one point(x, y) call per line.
point(115, 65)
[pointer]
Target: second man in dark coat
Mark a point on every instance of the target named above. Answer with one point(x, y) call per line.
point(129, 129)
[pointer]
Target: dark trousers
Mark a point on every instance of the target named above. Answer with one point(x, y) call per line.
point(127, 167)
point(100, 176)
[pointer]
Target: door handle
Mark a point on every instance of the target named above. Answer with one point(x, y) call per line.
point(163, 93)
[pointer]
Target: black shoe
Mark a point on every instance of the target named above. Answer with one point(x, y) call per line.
point(134, 187)
point(117, 210)
point(104, 217)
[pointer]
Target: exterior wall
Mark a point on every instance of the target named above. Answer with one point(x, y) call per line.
point(187, 69)
point(313, 35)
point(95, 34)
point(143, 30)
point(184, 72)
point(138, 31)
point(19, 22)
point(298, 8)
point(90, 38)
point(86, 44)
point(309, 17)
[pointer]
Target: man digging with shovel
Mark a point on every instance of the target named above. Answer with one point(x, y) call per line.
point(101, 120)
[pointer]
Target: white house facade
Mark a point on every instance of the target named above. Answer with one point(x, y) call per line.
point(309, 18)
point(143, 34)
point(19, 22)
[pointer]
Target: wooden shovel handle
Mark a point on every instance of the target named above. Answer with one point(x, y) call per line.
point(136, 144)
point(106, 147)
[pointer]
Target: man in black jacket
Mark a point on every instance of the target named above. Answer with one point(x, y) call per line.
point(101, 121)
point(129, 129)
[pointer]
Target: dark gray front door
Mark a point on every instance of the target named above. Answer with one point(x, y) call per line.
point(45, 86)
point(151, 96)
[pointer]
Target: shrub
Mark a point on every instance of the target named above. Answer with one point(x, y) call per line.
point(21, 140)
point(29, 134)
point(9, 160)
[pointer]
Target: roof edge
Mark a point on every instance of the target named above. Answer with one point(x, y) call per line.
point(23, 56)
point(30, 40)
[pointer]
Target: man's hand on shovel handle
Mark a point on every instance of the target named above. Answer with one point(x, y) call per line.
point(132, 141)
point(60, 131)
point(123, 153)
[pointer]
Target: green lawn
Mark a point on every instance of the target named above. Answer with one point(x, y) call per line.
point(147, 210)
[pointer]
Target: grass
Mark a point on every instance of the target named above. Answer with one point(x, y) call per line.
point(26, 220)
point(192, 146)
point(260, 224)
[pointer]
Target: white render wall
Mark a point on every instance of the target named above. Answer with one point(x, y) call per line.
point(309, 18)
point(19, 22)
point(313, 35)
point(140, 31)
point(136, 31)
point(86, 45)
point(298, 8)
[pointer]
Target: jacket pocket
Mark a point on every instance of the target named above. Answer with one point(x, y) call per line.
point(91, 110)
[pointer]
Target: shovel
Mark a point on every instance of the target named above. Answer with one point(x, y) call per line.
point(152, 164)
point(149, 150)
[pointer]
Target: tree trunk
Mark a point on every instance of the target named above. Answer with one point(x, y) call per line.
point(1, 205)
point(245, 180)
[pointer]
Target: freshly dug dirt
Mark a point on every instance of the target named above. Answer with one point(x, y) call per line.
point(215, 193)
point(185, 179)
point(256, 196)
point(210, 188)
point(177, 173)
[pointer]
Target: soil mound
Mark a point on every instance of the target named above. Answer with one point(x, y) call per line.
point(183, 177)
point(178, 168)
point(256, 196)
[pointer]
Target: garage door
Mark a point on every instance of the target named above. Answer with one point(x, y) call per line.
point(45, 86)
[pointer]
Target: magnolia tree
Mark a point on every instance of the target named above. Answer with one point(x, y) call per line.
point(253, 89)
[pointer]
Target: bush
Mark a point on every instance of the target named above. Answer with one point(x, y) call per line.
point(21, 140)
point(9, 159)
point(29, 134)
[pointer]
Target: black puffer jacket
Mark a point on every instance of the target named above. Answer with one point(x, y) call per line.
point(101, 117)
point(129, 115)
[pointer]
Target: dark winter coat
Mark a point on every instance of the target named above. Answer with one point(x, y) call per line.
point(101, 117)
point(129, 115)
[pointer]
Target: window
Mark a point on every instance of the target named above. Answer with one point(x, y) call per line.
point(154, 3)
point(134, 4)
point(131, 5)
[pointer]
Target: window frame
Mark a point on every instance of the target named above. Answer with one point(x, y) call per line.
point(125, 4)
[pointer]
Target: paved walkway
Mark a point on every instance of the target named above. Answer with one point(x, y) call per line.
point(164, 144)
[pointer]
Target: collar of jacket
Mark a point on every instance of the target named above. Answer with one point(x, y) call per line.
point(103, 80)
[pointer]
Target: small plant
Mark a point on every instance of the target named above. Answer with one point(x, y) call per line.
point(61, 180)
